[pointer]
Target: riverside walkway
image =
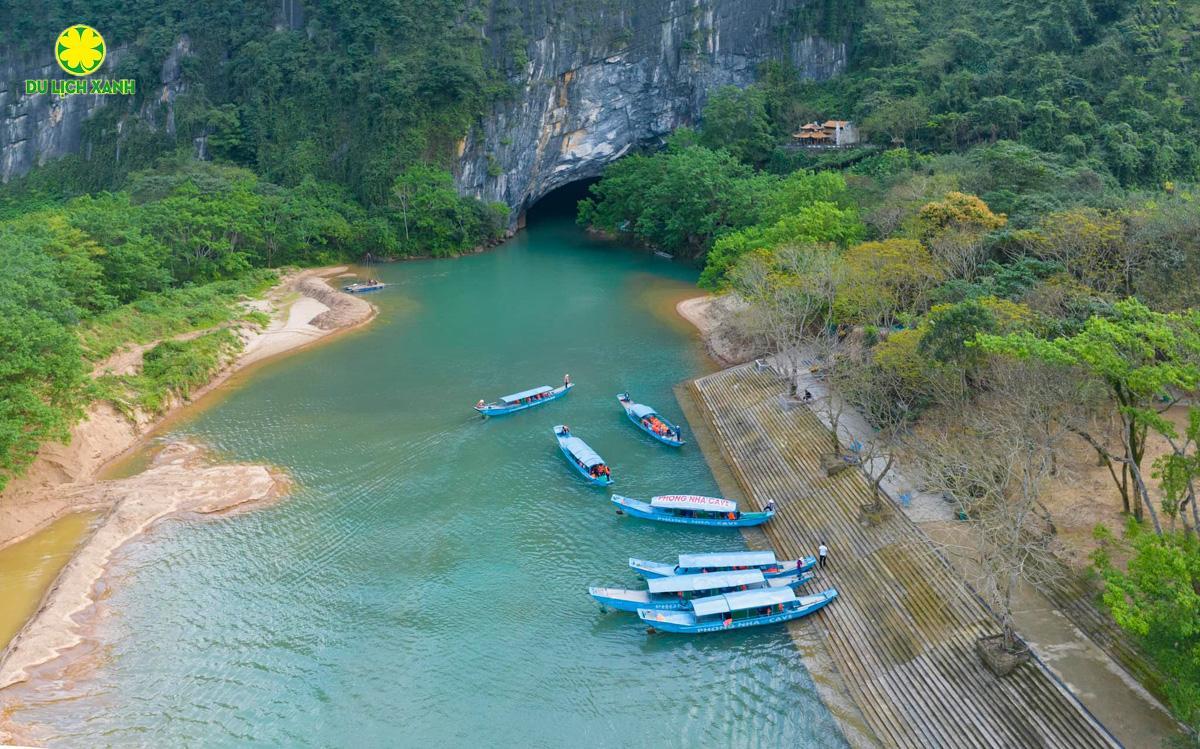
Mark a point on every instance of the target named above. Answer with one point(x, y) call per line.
point(902, 634)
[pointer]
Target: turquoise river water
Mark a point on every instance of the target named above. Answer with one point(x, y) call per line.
point(425, 585)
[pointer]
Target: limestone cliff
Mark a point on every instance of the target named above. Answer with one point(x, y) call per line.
point(37, 128)
point(605, 77)
point(588, 80)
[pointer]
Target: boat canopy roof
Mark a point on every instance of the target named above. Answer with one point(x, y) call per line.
point(526, 394)
point(742, 600)
point(580, 449)
point(641, 410)
point(708, 581)
point(693, 502)
point(727, 559)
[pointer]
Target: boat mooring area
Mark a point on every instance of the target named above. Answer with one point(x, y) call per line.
point(903, 633)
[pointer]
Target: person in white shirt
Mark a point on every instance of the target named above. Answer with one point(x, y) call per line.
point(823, 554)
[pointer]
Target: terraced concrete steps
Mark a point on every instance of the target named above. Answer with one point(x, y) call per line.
point(903, 632)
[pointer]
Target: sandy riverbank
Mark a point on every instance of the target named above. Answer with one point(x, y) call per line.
point(180, 480)
point(64, 479)
point(711, 315)
point(303, 307)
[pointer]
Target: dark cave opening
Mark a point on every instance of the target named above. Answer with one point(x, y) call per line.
point(558, 203)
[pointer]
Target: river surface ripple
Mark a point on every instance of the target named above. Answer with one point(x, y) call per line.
point(426, 584)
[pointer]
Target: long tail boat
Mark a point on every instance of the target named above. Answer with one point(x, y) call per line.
point(650, 422)
point(691, 509)
point(525, 399)
point(691, 564)
point(583, 458)
point(747, 608)
point(676, 593)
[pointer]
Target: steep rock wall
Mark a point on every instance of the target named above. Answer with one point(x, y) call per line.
point(38, 128)
point(606, 77)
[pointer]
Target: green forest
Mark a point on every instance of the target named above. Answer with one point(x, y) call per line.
point(1024, 210)
point(1025, 205)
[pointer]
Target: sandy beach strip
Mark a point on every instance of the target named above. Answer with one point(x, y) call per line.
point(710, 314)
point(180, 480)
point(304, 309)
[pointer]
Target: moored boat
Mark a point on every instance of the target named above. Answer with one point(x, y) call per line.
point(525, 399)
point(583, 458)
point(691, 564)
point(692, 509)
point(674, 593)
point(650, 422)
point(746, 608)
point(364, 287)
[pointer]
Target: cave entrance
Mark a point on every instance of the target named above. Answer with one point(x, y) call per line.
point(559, 203)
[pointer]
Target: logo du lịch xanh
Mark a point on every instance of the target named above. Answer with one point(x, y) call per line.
point(80, 50)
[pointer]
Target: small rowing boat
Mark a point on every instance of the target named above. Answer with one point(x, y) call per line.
point(585, 460)
point(648, 420)
point(691, 564)
point(675, 593)
point(523, 400)
point(692, 509)
point(364, 287)
point(746, 608)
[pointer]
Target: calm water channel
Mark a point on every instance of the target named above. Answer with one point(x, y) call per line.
point(426, 583)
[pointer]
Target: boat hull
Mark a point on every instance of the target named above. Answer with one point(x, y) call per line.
point(684, 622)
point(639, 509)
point(638, 423)
point(492, 409)
point(606, 481)
point(363, 289)
point(783, 568)
point(633, 600)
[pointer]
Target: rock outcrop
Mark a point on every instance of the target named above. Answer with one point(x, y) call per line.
point(599, 77)
point(35, 129)
point(604, 78)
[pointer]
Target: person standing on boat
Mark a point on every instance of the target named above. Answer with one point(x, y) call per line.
point(823, 554)
point(566, 380)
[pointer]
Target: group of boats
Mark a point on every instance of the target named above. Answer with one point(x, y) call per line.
point(706, 592)
point(713, 592)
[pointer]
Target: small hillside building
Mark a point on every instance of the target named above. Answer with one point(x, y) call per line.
point(833, 133)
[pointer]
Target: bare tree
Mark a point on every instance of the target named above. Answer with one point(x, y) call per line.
point(992, 458)
point(788, 295)
point(875, 394)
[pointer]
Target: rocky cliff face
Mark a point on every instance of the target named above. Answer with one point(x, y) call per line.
point(599, 77)
point(38, 128)
point(606, 77)
point(34, 129)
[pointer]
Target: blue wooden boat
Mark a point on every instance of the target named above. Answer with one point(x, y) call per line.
point(583, 458)
point(650, 422)
point(746, 608)
point(364, 287)
point(691, 509)
point(523, 400)
point(675, 593)
point(691, 564)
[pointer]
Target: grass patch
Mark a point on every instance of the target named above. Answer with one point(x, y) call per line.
point(173, 312)
point(172, 368)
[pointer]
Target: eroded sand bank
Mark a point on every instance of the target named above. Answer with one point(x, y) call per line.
point(304, 308)
point(180, 480)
